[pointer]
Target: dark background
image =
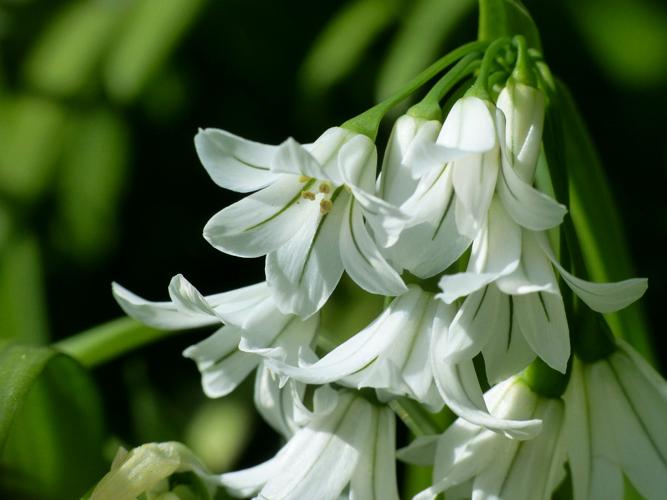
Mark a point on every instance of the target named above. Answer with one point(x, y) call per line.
point(238, 65)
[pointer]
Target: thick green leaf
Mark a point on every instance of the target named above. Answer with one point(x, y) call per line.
point(419, 41)
point(342, 43)
point(22, 303)
point(51, 431)
point(65, 56)
point(92, 176)
point(150, 32)
point(31, 135)
point(597, 220)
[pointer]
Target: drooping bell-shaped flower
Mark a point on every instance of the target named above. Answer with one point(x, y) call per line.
point(616, 410)
point(309, 216)
point(347, 448)
point(430, 241)
point(390, 355)
point(510, 284)
point(253, 329)
point(472, 461)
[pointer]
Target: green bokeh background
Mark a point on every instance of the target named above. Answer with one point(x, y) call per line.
point(99, 181)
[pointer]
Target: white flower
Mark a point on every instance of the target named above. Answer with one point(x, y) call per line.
point(254, 329)
point(510, 284)
point(348, 444)
point(391, 354)
point(308, 217)
point(472, 461)
point(616, 409)
point(429, 242)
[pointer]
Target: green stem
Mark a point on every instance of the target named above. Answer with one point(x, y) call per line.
point(429, 107)
point(523, 71)
point(415, 417)
point(480, 88)
point(368, 122)
point(493, 22)
point(109, 340)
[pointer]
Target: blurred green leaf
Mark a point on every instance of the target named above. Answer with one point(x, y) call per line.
point(92, 176)
point(31, 135)
point(628, 38)
point(66, 54)
point(597, 221)
point(51, 430)
point(419, 41)
point(342, 43)
point(22, 301)
point(150, 32)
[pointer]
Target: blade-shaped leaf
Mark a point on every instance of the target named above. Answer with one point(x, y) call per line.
point(51, 430)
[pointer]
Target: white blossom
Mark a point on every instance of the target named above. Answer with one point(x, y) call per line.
point(616, 409)
point(254, 328)
point(472, 461)
point(390, 355)
point(346, 448)
point(308, 217)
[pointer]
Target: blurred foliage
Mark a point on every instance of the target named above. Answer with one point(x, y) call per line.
point(99, 101)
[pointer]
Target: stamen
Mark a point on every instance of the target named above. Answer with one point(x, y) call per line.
point(325, 188)
point(304, 178)
point(325, 206)
point(308, 195)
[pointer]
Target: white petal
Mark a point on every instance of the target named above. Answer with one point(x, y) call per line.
point(535, 274)
point(362, 259)
point(523, 108)
point(187, 298)
point(375, 476)
point(578, 432)
point(248, 482)
point(529, 207)
point(222, 366)
point(606, 475)
point(506, 351)
point(320, 459)
point(470, 126)
point(357, 163)
point(484, 314)
point(274, 404)
point(303, 273)
point(638, 416)
point(543, 323)
point(525, 480)
point(460, 389)
point(601, 297)
point(233, 162)
point(496, 252)
point(398, 181)
point(261, 222)
point(326, 150)
point(362, 348)
point(474, 179)
point(162, 315)
point(433, 244)
point(420, 451)
point(292, 158)
point(385, 220)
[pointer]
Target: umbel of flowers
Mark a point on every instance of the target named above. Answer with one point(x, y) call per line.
point(466, 246)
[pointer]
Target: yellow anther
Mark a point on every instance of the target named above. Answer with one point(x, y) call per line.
point(325, 188)
point(325, 206)
point(308, 195)
point(304, 178)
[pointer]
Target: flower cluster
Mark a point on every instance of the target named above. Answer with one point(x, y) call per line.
point(455, 203)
